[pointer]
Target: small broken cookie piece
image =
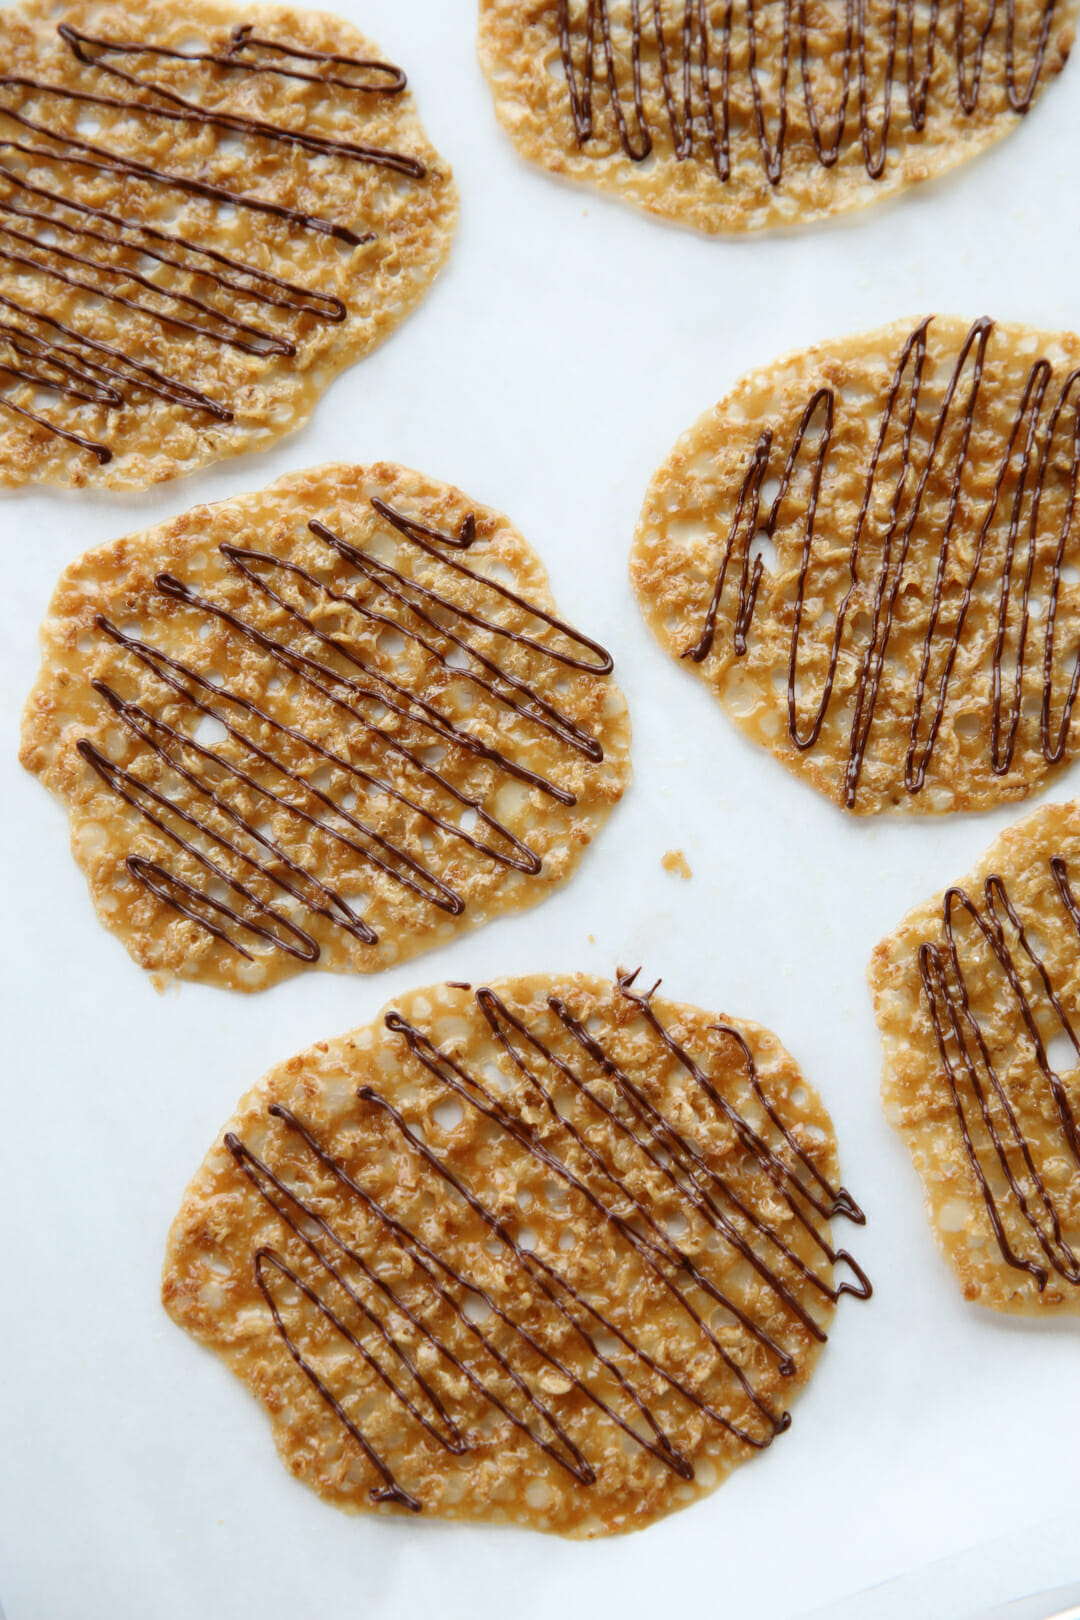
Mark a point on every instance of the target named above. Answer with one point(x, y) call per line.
point(206, 213)
point(737, 116)
point(977, 996)
point(870, 553)
point(331, 724)
point(553, 1252)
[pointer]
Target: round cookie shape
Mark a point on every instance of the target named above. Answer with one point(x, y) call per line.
point(869, 551)
point(207, 212)
point(977, 997)
point(727, 115)
point(332, 723)
point(553, 1252)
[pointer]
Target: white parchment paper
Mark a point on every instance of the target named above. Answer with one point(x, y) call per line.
point(548, 373)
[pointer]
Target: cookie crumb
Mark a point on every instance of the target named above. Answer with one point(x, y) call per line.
point(675, 862)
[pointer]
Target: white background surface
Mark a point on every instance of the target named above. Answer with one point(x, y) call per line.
point(547, 374)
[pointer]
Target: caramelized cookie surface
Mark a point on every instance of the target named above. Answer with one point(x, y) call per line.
point(554, 1251)
point(332, 723)
point(737, 116)
point(977, 996)
point(205, 214)
point(870, 552)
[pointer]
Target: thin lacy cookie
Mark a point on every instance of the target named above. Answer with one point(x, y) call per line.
point(977, 995)
point(333, 723)
point(206, 213)
point(732, 116)
point(554, 1252)
point(870, 553)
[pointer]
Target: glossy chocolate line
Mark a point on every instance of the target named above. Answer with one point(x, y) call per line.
point(159, 663)
point(181, 110)
point(390, 1491)
point(1028, 455)
point(787, 1181)
point(128, 787)
point(299, 299)
point(101, 451)
point(428, 1262)
point(243, 37)
point(389, 582)
point(244, 559)
point(259, 1173)
point(266, 342)
point(955, 1021)
point(199, 319)
point(215, 779)
point(702, 43)
point(104, 159)
point(143, 727)
point(684, 1155)
point(316, 675)
point(549, 1280)
point(421, 535)
point(435, 1274)
point(145, 378)
point(187, 112)
point(650, 1252)
point(689, 1160)
point(80, 385)
point(497, 1013)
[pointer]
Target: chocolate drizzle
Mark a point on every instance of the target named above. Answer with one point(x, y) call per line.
point(1044, 436)
point(551, 1325)
point(1003, 1162)
point(695, 75)
point(214, 822)
point(55, 234)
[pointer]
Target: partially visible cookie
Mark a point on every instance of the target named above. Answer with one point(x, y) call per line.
point(206, 213)
point(332, 723)
point(977, 996)
point(554, 1251)
point(732, 116)
point(870, 552)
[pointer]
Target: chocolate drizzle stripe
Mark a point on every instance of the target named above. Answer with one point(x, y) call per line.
point(265, 342)
point(145, 377)
point(170, 301)
point(44, 361)
point(244, 38)
point(1034, 438)
point(247, 562)
point(216, 781)
point(186, 112)
point(647, 1249)
point(180, 109)
point(258, 1173)
point(299, 299)
point(698, 109)
point(102, 158)
point(390, 1491)
point(101, 451)
point(979, 1094)
point(421, 535)
point(430, 1264)
point(663, 1138)
point(159, 664)
point(564, 1309)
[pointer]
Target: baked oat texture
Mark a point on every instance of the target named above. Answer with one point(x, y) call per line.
point(714, 498)
point(226, 1221)
point(415, 818)
point(915, 1087)
point(154, 438)
point(521, 55)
